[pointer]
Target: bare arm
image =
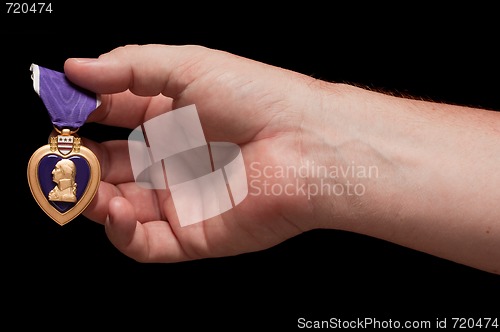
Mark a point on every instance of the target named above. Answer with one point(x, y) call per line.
point(420, 174)
point(429, 172)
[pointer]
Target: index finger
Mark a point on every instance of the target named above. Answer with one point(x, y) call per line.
point(127, 110)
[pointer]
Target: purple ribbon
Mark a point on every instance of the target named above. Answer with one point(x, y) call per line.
point(68, 105)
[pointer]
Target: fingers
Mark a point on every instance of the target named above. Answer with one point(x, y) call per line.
point(138, 82)
point(127, 110)
point(114, 160)
point(147, 203)
point(124, 75)
point(98, 209)
point(153, 241)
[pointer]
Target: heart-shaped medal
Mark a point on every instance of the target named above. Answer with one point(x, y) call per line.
point(63, 177)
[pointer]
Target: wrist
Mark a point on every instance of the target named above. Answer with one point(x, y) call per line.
point(421, 169)
point(344, 165)
point(365, 157)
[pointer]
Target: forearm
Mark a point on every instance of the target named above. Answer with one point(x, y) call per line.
point(427, 175)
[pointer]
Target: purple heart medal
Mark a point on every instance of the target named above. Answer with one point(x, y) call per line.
point(63, 175)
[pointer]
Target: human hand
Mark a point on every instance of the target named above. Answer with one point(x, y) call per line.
point(271, 113)
point(283, 120)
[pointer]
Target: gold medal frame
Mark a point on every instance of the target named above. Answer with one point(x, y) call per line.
point(63, 218)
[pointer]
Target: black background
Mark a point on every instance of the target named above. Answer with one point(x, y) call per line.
point(72, 276)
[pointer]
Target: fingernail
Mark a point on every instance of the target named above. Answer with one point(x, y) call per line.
point(84, 60)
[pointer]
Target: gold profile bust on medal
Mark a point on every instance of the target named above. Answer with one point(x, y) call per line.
point(63, 175)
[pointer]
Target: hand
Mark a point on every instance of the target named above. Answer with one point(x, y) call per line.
point(381, 165)
point(264, 109)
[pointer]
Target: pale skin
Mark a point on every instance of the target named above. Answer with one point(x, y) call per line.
point(435, 188)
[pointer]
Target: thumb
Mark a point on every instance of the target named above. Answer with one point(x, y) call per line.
point(146, 70)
